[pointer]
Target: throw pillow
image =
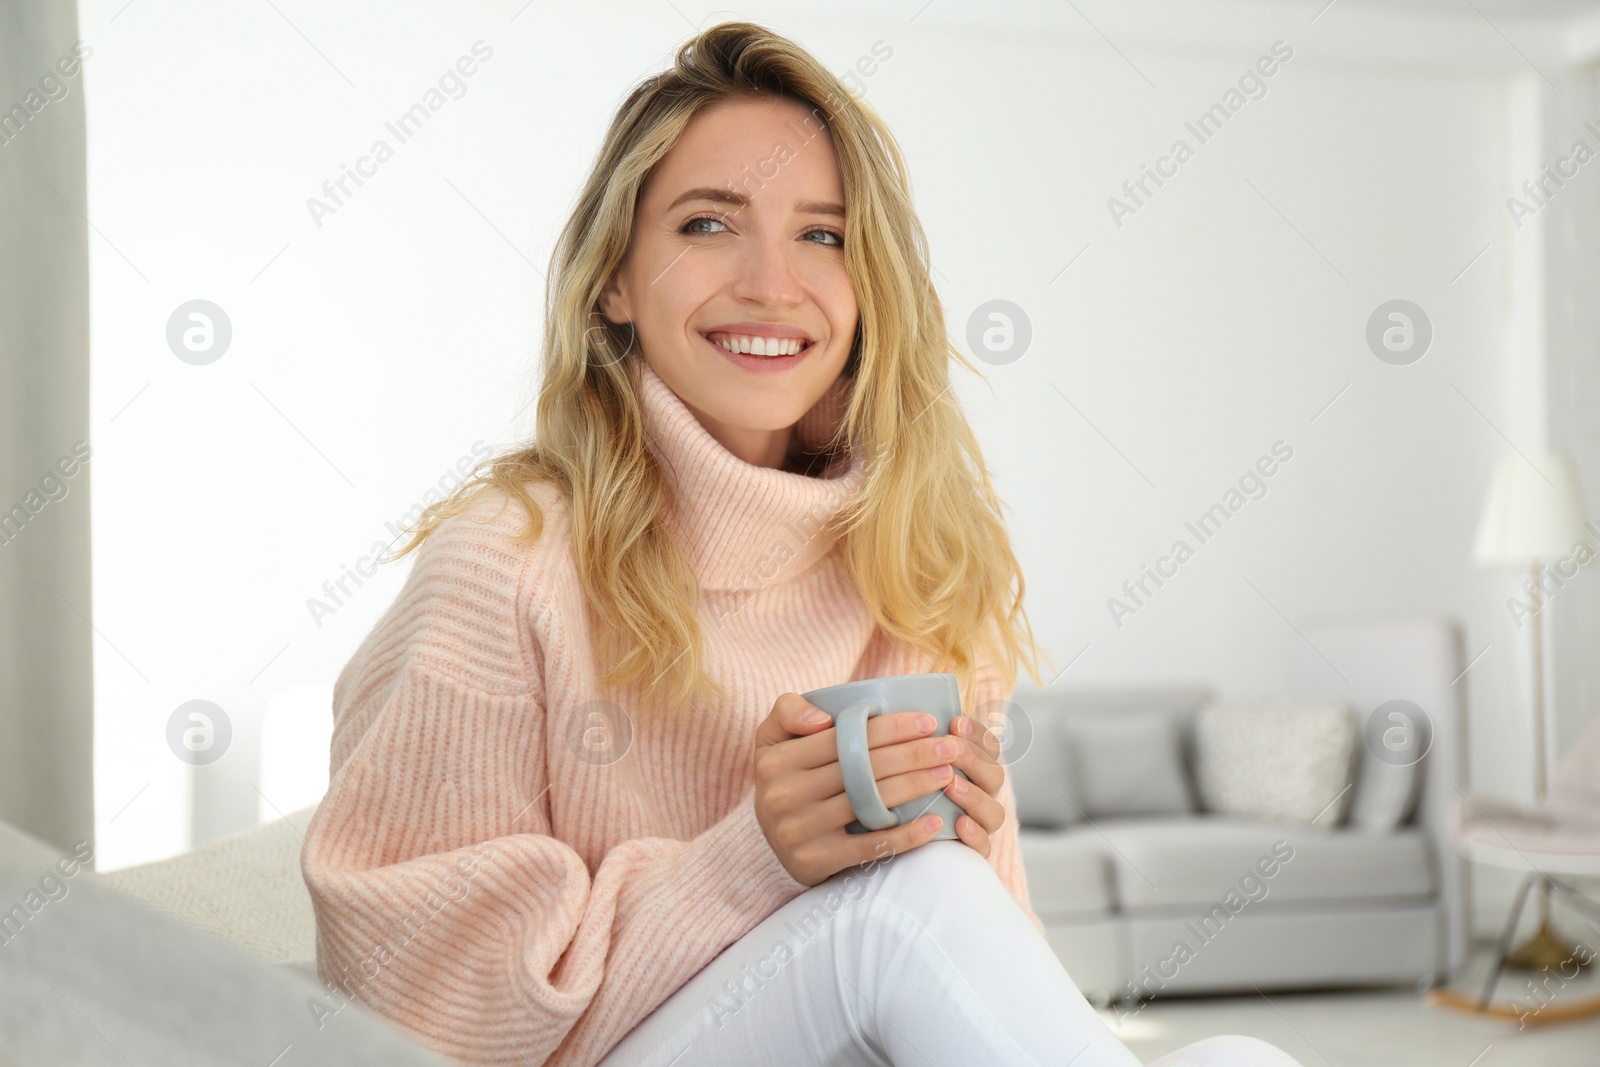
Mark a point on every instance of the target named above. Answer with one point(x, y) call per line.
point(1128, 763)
point(1276, 759)
point(1388, 768)
point(1036, 762)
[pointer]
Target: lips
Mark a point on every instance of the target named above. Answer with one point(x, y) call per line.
point(758, 344)
point(762, 339)
point(784, 358)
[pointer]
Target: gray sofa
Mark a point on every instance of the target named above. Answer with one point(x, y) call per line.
point(94, 978)
point(1143, 903)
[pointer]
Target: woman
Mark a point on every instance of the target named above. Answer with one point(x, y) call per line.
point(578, 811)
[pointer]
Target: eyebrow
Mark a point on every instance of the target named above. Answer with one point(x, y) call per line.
point(728, 196)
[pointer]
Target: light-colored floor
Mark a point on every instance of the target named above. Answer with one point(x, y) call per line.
point(1378, 1028)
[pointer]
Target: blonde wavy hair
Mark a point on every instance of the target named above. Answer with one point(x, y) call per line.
point(924, 538)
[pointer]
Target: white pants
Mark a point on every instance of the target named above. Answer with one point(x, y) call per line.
point(923, 958)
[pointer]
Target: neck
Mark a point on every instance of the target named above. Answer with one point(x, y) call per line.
point(743, 525)
point(759, 448)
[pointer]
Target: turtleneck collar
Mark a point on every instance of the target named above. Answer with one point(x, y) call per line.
point(744, 526)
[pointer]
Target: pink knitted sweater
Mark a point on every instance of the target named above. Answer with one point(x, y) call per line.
point(514, 870)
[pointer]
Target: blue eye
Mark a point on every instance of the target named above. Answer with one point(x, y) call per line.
point(689, 228)
point(701, 218)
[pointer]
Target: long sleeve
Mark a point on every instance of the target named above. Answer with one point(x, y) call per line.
point(1005, 852)
point(443, 902)
point(1005, 856)
point(473, 879)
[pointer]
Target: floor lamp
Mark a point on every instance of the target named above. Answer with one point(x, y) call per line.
point(1534, 515)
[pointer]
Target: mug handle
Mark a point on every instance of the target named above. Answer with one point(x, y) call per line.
point(855, 764)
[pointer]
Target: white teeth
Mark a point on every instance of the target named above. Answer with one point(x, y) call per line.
point(762, 346)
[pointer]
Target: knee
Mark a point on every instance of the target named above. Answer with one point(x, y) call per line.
point(938, 862)
point(1228, 1050)
point(933, 877)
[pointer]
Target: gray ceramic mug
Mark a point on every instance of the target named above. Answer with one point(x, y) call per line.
point(851, 704)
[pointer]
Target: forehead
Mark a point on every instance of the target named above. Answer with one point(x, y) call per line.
point(752, 145)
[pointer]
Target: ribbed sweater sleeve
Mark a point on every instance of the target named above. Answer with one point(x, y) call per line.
point(1005, 851)
point(443, 899)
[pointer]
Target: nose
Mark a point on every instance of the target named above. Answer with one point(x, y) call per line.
point(767, 275)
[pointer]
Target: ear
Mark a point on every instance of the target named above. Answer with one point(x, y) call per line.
point(613, 304)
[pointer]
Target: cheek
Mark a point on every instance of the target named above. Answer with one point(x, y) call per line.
point(669, 295)
point(837, 298)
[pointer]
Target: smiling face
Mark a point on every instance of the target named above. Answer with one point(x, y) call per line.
point(738, 243)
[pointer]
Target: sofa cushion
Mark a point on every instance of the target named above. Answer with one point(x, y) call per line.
point(1057, 725)
point(1396, 736)
point(1068, 874)
point(1278, 759)
point(1128, 762)
point(1040, 773)
point(1196, 862)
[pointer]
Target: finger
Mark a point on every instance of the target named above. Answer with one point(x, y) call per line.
point(825, 814)
point(880, 845)
point(979, 766)
point(968, 830)
point(984, 740)
point(822, 747)
point(978, 803)
point(787, 720)
point(889, 762)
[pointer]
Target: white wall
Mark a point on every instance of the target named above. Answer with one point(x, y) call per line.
point(369, 354)
point(1574, 379)
point(46, 647)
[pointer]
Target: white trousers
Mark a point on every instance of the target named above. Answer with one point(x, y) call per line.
point(920, 959)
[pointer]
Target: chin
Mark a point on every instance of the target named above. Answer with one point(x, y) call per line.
point(759, 412)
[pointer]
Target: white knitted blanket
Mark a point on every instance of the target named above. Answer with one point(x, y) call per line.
point(245, 888)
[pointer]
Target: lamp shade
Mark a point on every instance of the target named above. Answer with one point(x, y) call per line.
point(1535, 511)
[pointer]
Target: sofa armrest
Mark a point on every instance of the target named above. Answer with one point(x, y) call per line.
point(1367, 661)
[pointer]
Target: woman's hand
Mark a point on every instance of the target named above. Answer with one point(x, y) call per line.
point(800, 800)
point(979, 760)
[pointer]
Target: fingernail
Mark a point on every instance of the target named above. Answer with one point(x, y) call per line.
point(814, 716)
point(958, 786)
point(926, 723)
point(932, 823)
point(946, 747)
point(942, 771)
